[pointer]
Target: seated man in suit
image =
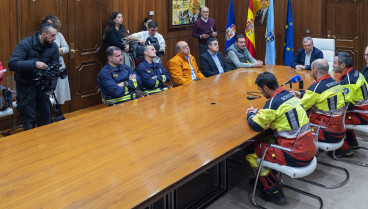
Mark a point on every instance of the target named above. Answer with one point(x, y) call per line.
point(183, 67)
point(304, 57)
point(238, 56)
point(152, 75)
point(211, 62)
point(117, 81)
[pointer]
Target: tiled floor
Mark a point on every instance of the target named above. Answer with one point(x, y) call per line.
point(351, 195)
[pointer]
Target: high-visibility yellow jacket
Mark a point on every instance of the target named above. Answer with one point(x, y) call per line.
point(325, 101)
point(355, 89)
point(285, 115)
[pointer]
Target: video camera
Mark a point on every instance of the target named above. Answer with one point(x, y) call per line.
point(45, 77)
point(137, 49)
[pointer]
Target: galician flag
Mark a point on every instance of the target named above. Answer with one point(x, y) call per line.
point(249, 31)
point(270, 37)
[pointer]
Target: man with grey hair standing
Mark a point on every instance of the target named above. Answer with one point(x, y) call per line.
point(305, 56)
point(153, 75)
point(203, 29)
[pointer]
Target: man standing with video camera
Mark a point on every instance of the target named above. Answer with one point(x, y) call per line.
point(152, 31)
point(37, 52)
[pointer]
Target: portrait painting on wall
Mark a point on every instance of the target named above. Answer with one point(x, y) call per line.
point(183, 13)
point(261, 6)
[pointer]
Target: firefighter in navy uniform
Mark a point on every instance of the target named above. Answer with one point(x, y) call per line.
point(285, 115)
point(356, 94)
point(324, 100)
point(117, 81)
point(152, 75)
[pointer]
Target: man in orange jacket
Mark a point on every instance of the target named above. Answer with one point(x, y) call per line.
point(183, 67)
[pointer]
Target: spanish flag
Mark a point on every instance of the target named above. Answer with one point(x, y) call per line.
point(249, 31)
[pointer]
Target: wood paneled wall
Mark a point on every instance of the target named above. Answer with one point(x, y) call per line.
point(306, 17)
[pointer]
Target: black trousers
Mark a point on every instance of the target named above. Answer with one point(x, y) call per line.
point(30, 99)
point(202, 48)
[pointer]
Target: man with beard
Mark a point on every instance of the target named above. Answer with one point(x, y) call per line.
point(117, 81)
point(285, 115)
point(356, 94)
point(37, 52)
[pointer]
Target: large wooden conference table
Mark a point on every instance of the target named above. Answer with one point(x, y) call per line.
point(126, 155)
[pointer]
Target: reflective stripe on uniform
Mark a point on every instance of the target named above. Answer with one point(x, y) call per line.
point(121, 99)
point(135, 83)
point(294, 133)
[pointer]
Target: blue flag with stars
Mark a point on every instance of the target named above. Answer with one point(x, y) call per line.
point(289, 41)
point(270, 37)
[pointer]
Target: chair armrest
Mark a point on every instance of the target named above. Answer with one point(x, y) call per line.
point(281, 148)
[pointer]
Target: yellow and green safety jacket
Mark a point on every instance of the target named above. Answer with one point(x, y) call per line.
point(325, 101)
point(355, 89)
point(285, 115)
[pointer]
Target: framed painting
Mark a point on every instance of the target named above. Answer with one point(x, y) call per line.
point(183, 13)
point(260, 7)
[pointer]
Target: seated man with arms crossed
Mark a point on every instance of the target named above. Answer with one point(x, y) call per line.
point(117, 81)
point(183, 66)
point(325, 100)
point(152, 75)
point(304, 57)
point(285, 115)
point(238, 56)
point(355, 89)
point(211, 62)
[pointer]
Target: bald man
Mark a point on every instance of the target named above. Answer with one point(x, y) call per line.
point(325, 100)
point(183, 67)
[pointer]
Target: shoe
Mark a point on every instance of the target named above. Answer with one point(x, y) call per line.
point(353, 144)
point(342, 153)
point(275, 194)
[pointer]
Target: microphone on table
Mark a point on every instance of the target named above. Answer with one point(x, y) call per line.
point(294, 79)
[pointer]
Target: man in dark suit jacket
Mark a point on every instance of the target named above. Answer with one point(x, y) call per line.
point(212, 62)
point(300, 61)
point(261, 14)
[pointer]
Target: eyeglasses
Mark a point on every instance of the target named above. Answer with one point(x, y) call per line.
point(365, 55)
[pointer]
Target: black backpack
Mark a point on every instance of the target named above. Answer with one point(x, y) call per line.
point(5, 98)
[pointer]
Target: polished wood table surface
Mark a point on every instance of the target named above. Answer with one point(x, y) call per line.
point(125, 155)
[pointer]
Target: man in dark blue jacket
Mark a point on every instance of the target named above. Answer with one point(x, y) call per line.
point(37, 52)
point(117, 81)
point(152, 75)
point(211, 62)
point(304, 57)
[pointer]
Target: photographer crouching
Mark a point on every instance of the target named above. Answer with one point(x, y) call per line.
point(31, 56)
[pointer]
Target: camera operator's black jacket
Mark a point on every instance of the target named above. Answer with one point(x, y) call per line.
point(24, 57)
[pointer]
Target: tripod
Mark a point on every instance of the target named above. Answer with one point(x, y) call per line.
point(55, 109)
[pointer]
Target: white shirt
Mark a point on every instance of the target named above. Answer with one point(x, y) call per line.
point(145, 34)
point(307, 58)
